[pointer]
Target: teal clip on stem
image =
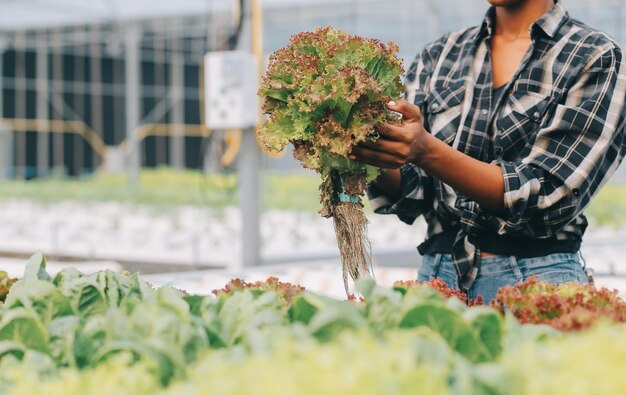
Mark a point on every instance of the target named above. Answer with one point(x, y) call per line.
point(345, 198)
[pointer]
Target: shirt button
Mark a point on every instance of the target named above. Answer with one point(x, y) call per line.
point(536, 116)
point(435, 106)
point(484, 111)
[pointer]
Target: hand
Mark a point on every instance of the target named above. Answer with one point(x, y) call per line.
point(397, 145)
point(411, 143)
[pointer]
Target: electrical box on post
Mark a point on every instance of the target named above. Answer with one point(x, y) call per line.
point(231, 85)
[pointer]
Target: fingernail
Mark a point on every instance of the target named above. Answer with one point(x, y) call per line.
point(391, 103)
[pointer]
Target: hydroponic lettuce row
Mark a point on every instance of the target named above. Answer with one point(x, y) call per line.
point(440, 286)
point(568, 307)
point(325, 92)
point(108, 333)
point(285, 291)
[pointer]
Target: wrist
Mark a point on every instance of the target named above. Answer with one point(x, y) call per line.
point(424, 148)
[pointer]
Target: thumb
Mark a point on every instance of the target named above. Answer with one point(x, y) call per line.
point(410, 112)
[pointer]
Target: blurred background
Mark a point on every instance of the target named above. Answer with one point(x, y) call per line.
point(106, 159)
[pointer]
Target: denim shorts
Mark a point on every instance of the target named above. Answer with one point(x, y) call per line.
point(498, 271)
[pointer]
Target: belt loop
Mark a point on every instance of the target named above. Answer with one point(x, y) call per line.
point(582, 259)
point(516, 270)
point(589, 272)
point(437, 264)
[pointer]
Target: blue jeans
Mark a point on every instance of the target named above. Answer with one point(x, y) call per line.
point(498, 271)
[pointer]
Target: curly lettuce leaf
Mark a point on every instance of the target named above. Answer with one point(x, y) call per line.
point(324, 92)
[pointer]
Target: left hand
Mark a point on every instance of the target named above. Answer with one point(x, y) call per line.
point(397, 145)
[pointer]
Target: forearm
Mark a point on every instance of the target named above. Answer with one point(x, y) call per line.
point(411, 143)
point(480, 181)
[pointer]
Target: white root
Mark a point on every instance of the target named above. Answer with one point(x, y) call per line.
point(354, 247)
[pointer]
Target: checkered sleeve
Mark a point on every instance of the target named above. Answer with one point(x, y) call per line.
point(415, 197)
point(574, 153)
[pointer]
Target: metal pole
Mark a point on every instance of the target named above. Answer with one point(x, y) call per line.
point(250, 198)
point(20, 105)
point(6, 137)
point(78, 160)
point(58, 87)
point(95, 62)
point(43, 137)
point(177, 80)
point(132, 84)
point(160, 58)
point(250, 162)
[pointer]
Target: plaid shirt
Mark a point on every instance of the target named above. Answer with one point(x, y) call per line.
point(557, 132)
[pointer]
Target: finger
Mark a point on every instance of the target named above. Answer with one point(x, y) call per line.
point(391, 132)
point(410, 112)
point(383, 145)
point(381, 162)
point(376, 158)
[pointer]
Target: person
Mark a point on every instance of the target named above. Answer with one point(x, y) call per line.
point(508, 130)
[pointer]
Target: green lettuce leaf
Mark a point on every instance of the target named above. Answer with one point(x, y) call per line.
point(326, 91)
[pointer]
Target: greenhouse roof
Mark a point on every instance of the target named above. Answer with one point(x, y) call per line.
point(40, 14)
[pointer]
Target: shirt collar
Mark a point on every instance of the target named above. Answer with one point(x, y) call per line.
point(549, 23)
point(552, 20)
point(486, 28)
